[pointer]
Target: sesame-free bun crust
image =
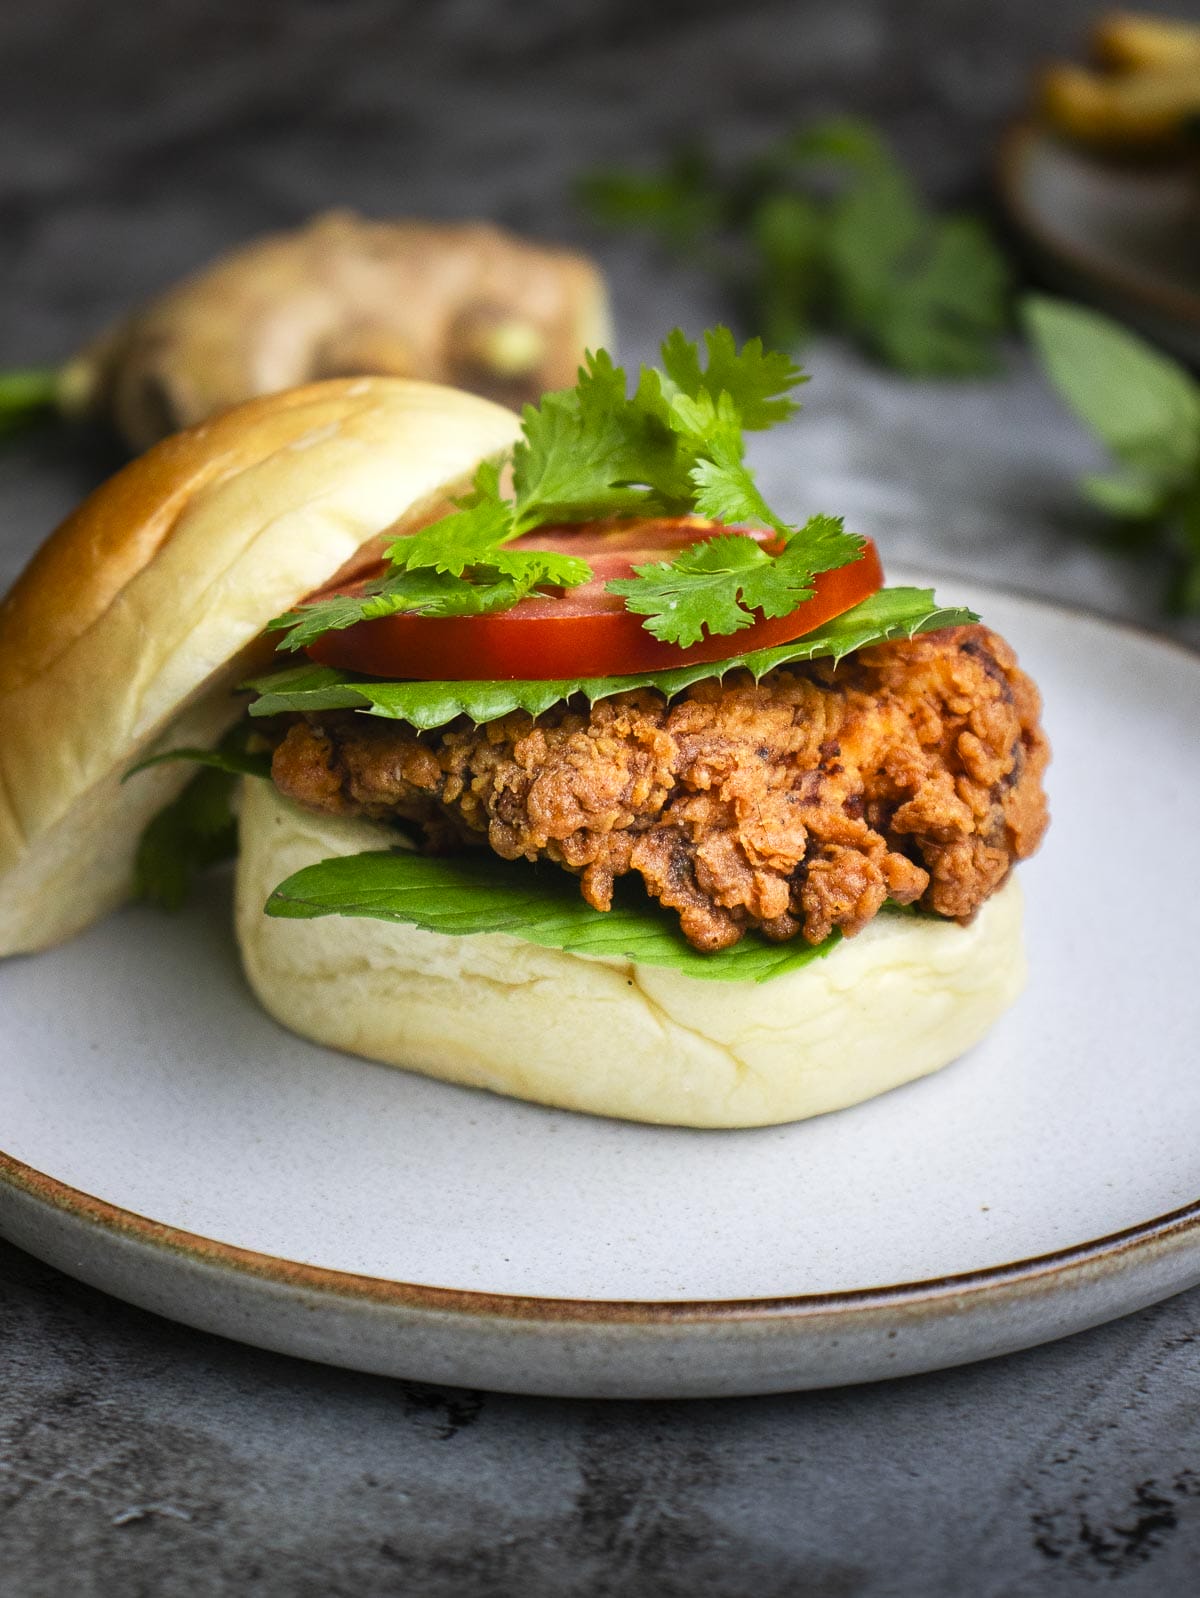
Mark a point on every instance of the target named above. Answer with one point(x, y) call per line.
point(644, 1043)
point(134, 621)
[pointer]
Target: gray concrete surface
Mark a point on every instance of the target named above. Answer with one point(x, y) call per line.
point(140, 1458)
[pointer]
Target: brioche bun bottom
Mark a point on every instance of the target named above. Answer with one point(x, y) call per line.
point(643, 1043)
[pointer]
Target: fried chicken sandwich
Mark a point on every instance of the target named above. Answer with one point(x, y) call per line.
point(567, 767)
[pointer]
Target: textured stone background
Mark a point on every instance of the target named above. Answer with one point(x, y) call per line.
point(141, 1458)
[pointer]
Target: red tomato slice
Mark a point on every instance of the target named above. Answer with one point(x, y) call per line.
point(586, 632)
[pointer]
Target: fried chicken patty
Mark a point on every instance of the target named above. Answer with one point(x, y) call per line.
point(911, 771)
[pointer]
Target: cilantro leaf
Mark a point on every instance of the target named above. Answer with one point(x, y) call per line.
point(825, 228)
point(468, 536)
point(700, 590)
point(464, 895)
point(716, 587)
point(726, 491)
point(927, 295)
point(458, 566)
point(590, 452)
point(890, 613)
point(758, 384)
point(424, 591)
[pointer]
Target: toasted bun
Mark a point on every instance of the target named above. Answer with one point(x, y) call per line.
point(644, 1043)
point(137, 617)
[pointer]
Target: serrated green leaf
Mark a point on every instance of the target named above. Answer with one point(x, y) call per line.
point(726, 492)
point(465, 895)
point(301, 688)
point(701, 589)
point(467, 537)
point(758, 382)
point(890, 613)
point(717, 587)
point(422, 592)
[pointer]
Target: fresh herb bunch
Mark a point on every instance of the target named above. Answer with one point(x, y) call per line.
point(826, 229)
point(672, 447)
point(1146, 408)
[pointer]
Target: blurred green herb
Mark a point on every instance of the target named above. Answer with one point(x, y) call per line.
point(27, 396)
point(198, 828)
point(195, 831)
point(1146, 408)
point(825, 228)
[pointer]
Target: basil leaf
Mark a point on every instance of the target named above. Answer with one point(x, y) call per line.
point(479, 893)
point(1142, 404)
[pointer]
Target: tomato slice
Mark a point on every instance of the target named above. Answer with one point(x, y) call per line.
point(586, 632)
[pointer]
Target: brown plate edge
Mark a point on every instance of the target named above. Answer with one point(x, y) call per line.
point(1164, 1234)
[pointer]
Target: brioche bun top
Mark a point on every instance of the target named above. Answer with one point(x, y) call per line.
point(135, 619)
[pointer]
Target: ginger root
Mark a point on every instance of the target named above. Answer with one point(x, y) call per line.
point(464, 304)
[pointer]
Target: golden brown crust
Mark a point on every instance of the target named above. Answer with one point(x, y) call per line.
point(85, 563)
point(910, 771)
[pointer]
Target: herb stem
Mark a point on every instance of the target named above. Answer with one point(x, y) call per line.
point(26, 395)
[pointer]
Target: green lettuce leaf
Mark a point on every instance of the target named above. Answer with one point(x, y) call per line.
point(890, 613)
point(480, 893)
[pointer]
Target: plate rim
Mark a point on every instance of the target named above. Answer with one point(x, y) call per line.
point(1016, 142)
point(1171, 1229)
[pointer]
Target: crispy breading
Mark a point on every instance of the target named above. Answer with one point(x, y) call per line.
point(911, 771)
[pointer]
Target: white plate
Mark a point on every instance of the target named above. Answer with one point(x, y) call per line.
point(167, 1142)
point(1124, 235)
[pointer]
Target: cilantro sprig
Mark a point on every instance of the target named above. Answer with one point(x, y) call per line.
point(674, 447)
point(825, 228)
point(719, 585)
point(459, 566)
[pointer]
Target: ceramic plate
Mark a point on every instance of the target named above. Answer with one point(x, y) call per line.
point(167, 1142)
point(1123, 235)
